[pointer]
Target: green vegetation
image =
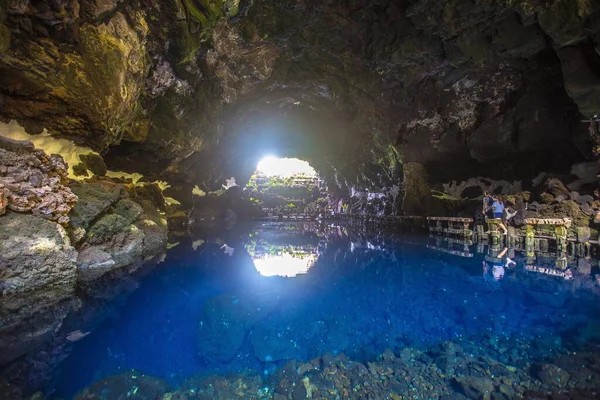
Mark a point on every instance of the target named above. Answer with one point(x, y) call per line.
point(297, 187)
point(202, 17)
point(285, 195)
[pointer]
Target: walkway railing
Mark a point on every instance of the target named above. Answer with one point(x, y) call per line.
point(450, 225)
point(529, 235)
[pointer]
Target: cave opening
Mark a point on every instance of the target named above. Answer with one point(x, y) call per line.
point(270, 166)
point(282, 187)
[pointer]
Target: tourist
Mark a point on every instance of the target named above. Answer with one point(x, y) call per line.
point(487, 203)
point(498, 208)
point(510, 215)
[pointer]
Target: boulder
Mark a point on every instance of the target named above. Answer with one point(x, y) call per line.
point(34, 253)
point(555, 187)
point(126, 234)
point(105, 228)
point(232, 318)
point(155, 229)
point(586, 172)
point(574, 196)
point(474, 388)
point(80, 170)
point(94, 163)
point(140, 385)
point(586, 199)
point(124, 248)
point(586, 209)
point(93, 262)
point(551, 375)
point(32, 181)
point(94, 199)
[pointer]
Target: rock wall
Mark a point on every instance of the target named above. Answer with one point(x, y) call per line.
point(105, 224)
point(194, 93)
point(112, 230)
point(57, 235)
point(34, 254)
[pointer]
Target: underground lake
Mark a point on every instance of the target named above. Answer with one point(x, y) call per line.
point(278, 307)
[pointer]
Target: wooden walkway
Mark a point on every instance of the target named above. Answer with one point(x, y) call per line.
point(463, 228)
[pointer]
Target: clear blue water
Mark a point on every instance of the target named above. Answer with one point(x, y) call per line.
point(206, 311)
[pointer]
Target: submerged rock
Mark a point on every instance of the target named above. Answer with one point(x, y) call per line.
point(552, 376)
point(474, 388)
point(132, 384)
point(231, 317)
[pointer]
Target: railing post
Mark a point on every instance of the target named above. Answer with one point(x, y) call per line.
point(560, 231)
point(529, 235)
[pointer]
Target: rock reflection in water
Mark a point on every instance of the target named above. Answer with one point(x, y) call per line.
point(37, 329)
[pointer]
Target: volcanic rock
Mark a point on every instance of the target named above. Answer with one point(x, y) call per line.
point(31, 181)
point(552, 376)
point(34, 253)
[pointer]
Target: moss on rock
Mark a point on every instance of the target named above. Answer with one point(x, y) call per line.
point(94, 200)
point(105, 228)
point(417, 193)
point(4, 38)
point(94, 163)
point(80, 170)
point(128, 209)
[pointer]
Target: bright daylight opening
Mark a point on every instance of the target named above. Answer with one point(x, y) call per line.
point(285, 188)
point(284, 167)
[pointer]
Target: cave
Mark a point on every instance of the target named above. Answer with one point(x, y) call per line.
point(439, 237)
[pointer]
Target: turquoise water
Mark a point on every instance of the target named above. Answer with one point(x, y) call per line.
point(250, 299)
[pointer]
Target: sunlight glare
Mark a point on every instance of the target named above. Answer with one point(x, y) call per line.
point(284, 167)
point(284, 265)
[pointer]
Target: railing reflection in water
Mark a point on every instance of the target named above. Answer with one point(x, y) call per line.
point(539, 257)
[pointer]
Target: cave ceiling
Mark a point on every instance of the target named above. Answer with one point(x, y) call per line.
point(198, 90)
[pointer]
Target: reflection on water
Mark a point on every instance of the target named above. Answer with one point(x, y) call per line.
point(498, 259)
point(281, 251)
point(288, 263)
point(210, 310)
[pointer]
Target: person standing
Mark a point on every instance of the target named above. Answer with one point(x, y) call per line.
point(487, 203)
point(498, 208)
